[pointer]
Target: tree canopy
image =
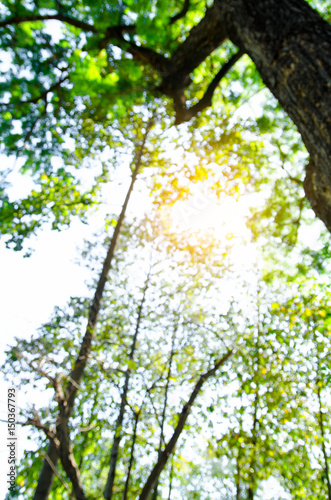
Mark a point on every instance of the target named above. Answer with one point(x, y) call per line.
point(197, 366)
point(63, 93)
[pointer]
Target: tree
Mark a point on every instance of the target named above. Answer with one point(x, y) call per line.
point(83, 75)
point(65, 395)
point(288, 41)
point(78, 99)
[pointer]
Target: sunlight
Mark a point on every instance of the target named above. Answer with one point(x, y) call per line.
point(222, 217)
point(226, 217)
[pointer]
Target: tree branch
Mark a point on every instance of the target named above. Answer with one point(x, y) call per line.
point(48, 17)
point(37, 369)
point(182, 13)
point(183, 114)
point(202, 40)
point(139, 52)
point(174, 71)
point(36, 422)
point(43, 94)
point(77, 372)
point(52, 466)
point(108, 493)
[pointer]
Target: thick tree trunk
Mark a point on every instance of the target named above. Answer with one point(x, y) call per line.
point(291, 47)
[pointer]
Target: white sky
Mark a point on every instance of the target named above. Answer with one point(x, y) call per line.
point(30, 289)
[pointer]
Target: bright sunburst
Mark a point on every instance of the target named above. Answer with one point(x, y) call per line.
point(202, 212)
point(222, 217)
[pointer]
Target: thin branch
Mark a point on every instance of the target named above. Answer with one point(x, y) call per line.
point(134, 440)
point(86, 429)
point(50, 463)
point(36, 422)
point(77, 372)
point(165, 403)
point(211, 330)
point(124, 394)
point(37, 369)
point(183, 114)
point(134, 437)
point(293, 179)
point(283, 157)
point(139, 52)
point(182, 13)
point(43, 95)
point(168, 450)
point(49, 17)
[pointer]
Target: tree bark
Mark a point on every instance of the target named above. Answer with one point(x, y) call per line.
point(290, 45)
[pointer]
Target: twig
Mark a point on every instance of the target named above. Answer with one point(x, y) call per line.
point(50, 463)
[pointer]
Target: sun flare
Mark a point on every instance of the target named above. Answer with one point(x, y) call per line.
point(203, 212)
point(222, 219)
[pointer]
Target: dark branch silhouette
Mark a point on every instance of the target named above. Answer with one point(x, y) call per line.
point(182, 13)
point(183, 114)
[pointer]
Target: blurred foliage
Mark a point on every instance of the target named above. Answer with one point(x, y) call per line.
point(74, 105)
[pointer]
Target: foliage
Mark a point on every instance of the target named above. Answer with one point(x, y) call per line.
point(85, 100)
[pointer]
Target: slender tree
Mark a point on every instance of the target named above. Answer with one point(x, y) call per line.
point(60, 446)
point(118, 426)
point(169, 448)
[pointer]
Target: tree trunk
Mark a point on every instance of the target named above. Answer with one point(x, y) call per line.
point(47, 473)
point(290, 45)
point(67, 400)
